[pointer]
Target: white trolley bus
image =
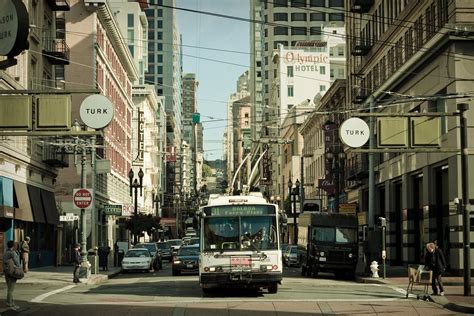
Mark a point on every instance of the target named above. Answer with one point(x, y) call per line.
point(240, 244)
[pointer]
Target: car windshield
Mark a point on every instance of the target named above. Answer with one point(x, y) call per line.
point(240, 233)
point(175, 242)
point(335, 234)
point(137, 253)
point(151, 247)
point(293, 250)
point(188, 251)
point(164, 246)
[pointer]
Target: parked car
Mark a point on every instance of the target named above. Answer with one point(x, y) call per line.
point(284, 248)
point(175, 245)
point(191, 241)
point(186, 260)
point(155, 253)
point(166, 251)
point(292, 256)
point(137, 259)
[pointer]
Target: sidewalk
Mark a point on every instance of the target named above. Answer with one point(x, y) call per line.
point(63, 274)
point(453, 299)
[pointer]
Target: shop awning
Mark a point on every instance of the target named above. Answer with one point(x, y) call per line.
point(49, 205)
point(6, 211)
point(24, 212)
point(36, 205)
point(168, 221)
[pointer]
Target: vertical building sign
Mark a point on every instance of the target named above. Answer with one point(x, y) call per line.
point(141, 135)
point(330, 134)
point(266, 175)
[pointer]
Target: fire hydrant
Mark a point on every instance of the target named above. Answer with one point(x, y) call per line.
point(374, 267)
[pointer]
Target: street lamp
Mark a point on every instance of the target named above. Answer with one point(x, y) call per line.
point(135, 184)
point(294, 191)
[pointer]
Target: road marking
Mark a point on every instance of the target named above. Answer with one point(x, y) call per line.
point(41, 297)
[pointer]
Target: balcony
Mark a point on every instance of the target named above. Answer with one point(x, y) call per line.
point(56, 51)
point(360, 47)
point(55, 156)
point(59, 5)
point(361, 6)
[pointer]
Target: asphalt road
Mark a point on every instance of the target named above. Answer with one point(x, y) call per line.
point(160, 293)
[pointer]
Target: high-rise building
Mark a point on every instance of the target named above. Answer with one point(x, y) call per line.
point(165, 72)
point(292, 24)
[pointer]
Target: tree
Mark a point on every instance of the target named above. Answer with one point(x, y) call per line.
point(145, 223)
point(206, 171)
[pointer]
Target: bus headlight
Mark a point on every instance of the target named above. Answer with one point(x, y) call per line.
point(350, 255)
point(321, 254)
point(212, 269)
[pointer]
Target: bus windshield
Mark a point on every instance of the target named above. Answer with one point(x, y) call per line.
point(240, 233)
point(335, 234)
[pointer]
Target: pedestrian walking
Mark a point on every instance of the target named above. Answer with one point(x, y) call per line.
point(11, 261)
point(436, 262)
point(104, 257)
point(77, 263)
point(25, 253)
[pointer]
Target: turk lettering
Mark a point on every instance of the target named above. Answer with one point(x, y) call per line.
point(96, 111)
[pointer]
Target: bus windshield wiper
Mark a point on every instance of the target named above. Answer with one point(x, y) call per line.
point(249, 241)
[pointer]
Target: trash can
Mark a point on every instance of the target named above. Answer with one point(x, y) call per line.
point(120, 256)
point(93, 260)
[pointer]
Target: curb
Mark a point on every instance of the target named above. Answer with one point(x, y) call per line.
point(100, 278)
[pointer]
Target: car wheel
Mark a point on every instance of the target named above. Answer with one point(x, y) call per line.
point(273, 288)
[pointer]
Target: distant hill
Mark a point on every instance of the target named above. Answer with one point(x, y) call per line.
point(217, 164)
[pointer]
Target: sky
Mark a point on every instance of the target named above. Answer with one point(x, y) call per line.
point(217, 80)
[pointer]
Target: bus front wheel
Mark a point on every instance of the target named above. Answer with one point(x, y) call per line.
point(273, 288)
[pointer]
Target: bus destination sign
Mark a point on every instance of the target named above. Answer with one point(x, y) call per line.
point(239, 210)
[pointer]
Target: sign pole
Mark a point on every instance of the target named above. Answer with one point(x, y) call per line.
point(83, 211)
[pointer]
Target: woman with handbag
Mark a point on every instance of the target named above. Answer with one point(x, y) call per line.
point(11, 261)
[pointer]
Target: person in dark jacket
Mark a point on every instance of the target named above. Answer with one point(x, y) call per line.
point(435, 261)
point(104, 257)
point(11, 253)
point(77, 263)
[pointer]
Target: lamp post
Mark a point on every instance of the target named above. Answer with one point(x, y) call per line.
point(336, 162)
point(294, 192)
point(135, 184)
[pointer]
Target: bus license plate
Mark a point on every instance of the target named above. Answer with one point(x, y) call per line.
point(322, 259)
point(240, 262)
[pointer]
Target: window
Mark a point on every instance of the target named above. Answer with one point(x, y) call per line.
point(289, 71)
point(290, 106)
point(275, 44)
point(315, 30)
point(160, 58)
point(159, 24)
point(322, 88)
point(159, 47)
point(340, 72)
point(298, 31)
point(159, 35)
point(320, 16)
point(159, 70)
point(298, 17)
point(151, 58)
point(336, 17)
point(280, 17)
point(279, 3)
point(266, 46)
point(322, 70)
point(340, 51)
point(266, 88)
point(331, 72)
point(130, 20)
point(151, 24)
point(336, 3)
point(290, 90)
point(159, 13)
point(331, 51)
point(280, 30)
point(298, 3)
point(317, 3)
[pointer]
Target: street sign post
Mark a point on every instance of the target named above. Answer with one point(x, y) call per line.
point(82, 198)
point(69, 217)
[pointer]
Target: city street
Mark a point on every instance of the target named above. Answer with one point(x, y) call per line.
point(162, 294)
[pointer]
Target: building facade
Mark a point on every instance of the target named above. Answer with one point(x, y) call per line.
point(400, 51)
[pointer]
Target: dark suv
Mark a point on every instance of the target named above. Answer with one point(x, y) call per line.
point(166, 252)
point(155, 253)
point(186, 260)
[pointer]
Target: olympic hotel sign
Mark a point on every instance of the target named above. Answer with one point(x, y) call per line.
point(305, 61)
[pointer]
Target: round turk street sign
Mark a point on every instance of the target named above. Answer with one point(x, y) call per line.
point(96, 111)
point(354, 132)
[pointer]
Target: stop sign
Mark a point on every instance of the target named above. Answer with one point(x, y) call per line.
point(82, 198)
